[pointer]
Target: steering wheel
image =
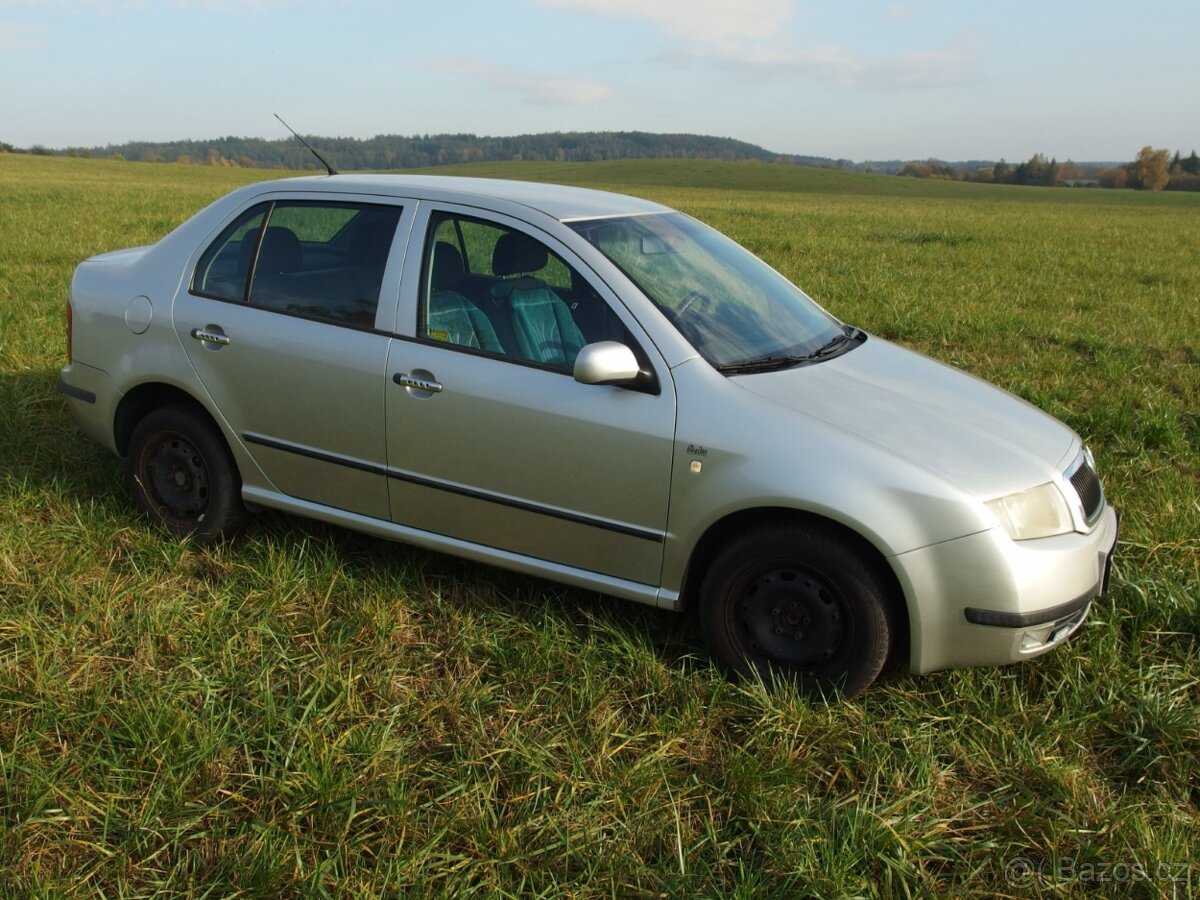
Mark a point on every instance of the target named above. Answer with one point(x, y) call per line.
point(698, 299)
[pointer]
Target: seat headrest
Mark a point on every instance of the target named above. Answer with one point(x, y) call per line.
point(448, 268)
point(370, 241)
point(516, 253)
point(280, 251)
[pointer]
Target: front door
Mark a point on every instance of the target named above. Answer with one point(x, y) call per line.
point(490, 438)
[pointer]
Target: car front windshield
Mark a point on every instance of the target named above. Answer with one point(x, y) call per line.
point(730, 305)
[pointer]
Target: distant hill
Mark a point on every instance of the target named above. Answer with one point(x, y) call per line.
point(649, 177)
point(390, 151)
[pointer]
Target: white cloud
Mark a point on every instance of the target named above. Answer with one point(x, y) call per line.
point(70, 5)
point(719, 22)
point(127, 6)
point(19, 37)
point(902, 12)
point(925, 69)
point(538, 90)
point(235, 5)
point(747, 36)
point(836, 64)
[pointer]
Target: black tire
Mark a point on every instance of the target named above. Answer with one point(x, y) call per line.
point(182, 474)
point(799, 603)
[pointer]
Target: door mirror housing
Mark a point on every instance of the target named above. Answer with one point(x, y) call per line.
point(606, 362)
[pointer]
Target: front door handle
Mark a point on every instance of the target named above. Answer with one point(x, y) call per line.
point(418, 383)
point(207, 336)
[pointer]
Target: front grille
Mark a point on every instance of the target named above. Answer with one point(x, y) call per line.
point(1087, 486)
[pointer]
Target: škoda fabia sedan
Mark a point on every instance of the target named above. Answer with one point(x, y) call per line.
point(597, 390)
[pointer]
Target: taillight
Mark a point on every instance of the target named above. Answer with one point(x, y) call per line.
point(70, 322)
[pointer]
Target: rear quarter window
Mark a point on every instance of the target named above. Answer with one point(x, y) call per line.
point(225, 265)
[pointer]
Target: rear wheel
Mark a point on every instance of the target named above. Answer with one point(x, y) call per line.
point(182, 474)
point(800, 603)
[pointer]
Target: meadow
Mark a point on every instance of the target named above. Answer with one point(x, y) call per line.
point(308, 711)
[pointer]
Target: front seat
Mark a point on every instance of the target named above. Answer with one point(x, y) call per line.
point(280, 257)
point(542, 323)
point(453, 318)
point(281, 252)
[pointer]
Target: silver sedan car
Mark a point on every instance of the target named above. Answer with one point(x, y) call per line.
point(594, 389)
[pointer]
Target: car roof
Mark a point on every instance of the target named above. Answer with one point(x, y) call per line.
point(563, 202)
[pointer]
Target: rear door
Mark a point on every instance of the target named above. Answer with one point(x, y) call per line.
point(283, 324)
point(488, 442)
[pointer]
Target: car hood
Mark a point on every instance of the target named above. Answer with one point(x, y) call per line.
point(982, 438)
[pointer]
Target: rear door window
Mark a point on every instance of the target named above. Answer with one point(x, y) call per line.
point(317, 260)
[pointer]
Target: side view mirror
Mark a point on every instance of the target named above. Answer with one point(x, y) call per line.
point(606, 362)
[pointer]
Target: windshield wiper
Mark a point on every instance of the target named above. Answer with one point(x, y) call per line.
point(762, 363)
point(782, 361)
point(833, 346)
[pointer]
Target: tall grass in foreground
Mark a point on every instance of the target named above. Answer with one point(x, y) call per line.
point(310, 711)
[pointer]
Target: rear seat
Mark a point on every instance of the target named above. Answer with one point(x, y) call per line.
point(339, 294)
point(327, 294)
point(449, 276)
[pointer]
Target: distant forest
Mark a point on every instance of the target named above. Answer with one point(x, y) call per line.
point(420, 151)
point(1152, 169)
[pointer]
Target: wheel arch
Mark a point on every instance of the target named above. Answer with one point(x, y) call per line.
point(146, 397)
point(743, 521)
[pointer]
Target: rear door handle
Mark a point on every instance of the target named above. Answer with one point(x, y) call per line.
point(210, 337)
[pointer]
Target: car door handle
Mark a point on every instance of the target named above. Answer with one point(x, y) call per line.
point(210, 337)
point(418, 383)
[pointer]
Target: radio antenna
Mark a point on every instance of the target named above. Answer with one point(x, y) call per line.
point(328, 168)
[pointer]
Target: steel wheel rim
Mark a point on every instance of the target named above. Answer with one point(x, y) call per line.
point(795, 617)
point(175, 477)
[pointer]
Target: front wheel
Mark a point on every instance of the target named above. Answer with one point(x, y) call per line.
point(182, 475)
point(800, 603)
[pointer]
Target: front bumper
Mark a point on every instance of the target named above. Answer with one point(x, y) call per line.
point(985, 599)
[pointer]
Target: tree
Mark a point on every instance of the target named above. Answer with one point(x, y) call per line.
point(1038, 170)
point(1114, 178)
point(1151, 170)
point(1050, 173)
point(1191, 164)
point(1070, 171)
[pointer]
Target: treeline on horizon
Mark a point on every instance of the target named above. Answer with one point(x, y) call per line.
point(423, 151)
point(1152, 169)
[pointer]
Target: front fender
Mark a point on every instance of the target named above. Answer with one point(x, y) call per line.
point(737, 451)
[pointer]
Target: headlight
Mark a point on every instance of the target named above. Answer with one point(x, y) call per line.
point(1039, 512)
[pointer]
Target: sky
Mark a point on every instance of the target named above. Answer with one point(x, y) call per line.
point(1089, 81)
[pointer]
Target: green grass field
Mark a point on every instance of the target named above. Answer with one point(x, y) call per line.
point(307, 711)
